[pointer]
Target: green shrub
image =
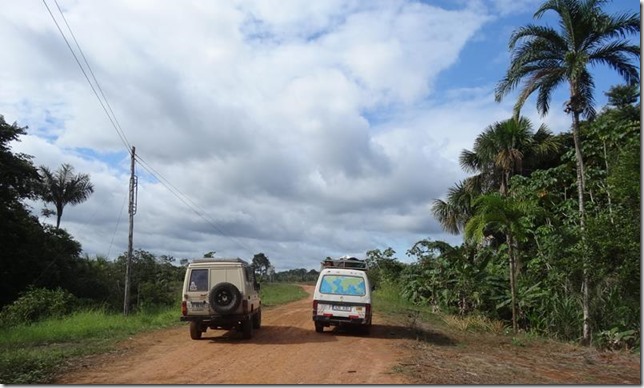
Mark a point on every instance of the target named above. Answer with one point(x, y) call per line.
point(617, 338)
point(37, 304)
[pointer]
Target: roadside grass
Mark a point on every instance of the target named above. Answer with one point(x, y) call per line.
point(279, 293)
point(387, 300)
point(35, 353)
point(474, 323)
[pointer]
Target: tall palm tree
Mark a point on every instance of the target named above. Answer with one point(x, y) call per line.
point(545, 58)
point(499, 151)
point(62, 187)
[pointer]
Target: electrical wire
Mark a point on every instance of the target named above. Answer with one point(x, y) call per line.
point(187, 201)
point(117, 127)
point(121, 135)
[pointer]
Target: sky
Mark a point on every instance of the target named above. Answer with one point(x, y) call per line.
point(298, 129)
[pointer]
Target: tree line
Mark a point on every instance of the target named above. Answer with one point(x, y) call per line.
point(551, 224)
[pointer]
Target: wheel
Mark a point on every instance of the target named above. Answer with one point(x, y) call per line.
point(247, 328)
point(224, 298)
point(195, 330)
point(319, 327)
point(257, 319)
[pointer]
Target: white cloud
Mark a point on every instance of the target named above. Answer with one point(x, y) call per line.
point(298, 129)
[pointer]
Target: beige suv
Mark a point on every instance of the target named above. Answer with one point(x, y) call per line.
point(221, 294)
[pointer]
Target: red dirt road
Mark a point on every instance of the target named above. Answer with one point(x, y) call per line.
point(286, 350)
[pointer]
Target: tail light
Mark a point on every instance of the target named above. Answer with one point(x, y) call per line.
point(315, 307)
point(367, 309)
point(184, 308)
point(245, 306)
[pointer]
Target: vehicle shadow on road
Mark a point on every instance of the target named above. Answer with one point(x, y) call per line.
point(385, 331)
point(270, 335)
point(413, 333)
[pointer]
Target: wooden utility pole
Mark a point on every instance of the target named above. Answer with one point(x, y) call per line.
point(131, 211)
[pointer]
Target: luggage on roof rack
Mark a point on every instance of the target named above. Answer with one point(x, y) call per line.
point(344, 262)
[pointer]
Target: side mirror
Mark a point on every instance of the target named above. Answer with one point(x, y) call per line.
point(373, 288)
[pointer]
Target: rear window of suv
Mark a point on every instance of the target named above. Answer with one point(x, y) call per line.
point(198, 280)
point(342, 285)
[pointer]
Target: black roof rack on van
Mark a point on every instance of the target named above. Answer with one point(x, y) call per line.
point(344, 262)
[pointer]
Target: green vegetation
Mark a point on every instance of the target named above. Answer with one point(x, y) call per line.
point(388, 301)
point(551, 223)
point(279, 293)
point(543, 58)
point(32, 353)
point(62, 187)
point(523, 260)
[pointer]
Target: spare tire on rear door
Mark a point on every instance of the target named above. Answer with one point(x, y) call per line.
point(224, 298)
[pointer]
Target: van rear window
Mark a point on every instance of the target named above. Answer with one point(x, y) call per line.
point(342, 285)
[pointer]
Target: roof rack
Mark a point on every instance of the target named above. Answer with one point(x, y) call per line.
point(344, 262)
point(218, 260)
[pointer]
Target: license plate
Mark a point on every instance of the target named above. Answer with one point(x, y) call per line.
point(198, 306)
point(341, 308)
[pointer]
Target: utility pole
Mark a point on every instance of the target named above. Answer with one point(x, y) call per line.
point(131, 211)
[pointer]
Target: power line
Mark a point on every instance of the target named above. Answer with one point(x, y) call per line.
point(112, 119)
point(117, 127)
point(187, 201)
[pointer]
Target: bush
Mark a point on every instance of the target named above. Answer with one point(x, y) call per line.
point(37, 304)
point(616, 338)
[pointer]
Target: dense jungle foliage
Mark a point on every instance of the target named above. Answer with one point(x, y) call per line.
point(540, 209)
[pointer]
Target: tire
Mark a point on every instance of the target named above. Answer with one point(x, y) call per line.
point(247, 328)
point(195, 330)
point(224, 298)
point(257, 319)
point(319, 327)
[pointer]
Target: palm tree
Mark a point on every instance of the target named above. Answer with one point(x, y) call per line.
point(495, 212)
point(499, 151)
point(453, 213)
point(62, 187)
point(544, 58)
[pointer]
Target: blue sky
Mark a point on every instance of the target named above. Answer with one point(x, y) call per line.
point(298, 129)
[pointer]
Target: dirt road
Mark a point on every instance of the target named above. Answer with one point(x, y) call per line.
point(286, 350)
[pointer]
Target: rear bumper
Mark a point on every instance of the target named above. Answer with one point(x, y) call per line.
point(341, 321)
point(218, 320)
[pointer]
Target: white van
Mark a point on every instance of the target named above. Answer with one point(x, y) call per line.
point(342, 295)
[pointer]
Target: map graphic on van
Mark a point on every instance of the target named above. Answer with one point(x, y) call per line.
point(342, 285)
